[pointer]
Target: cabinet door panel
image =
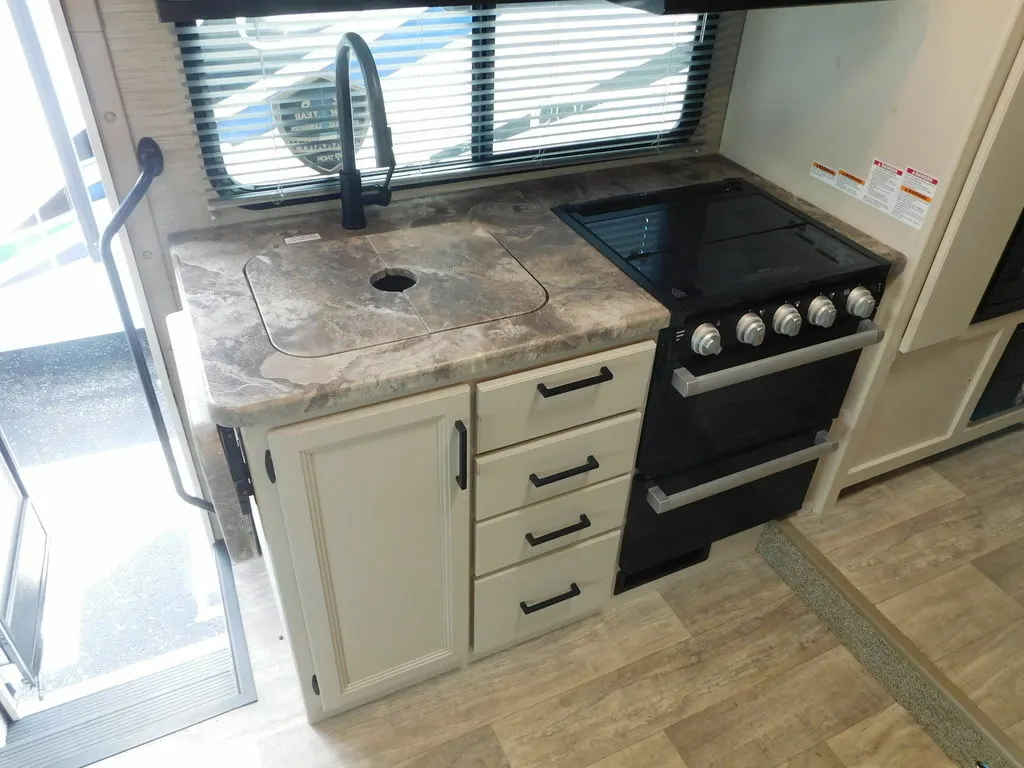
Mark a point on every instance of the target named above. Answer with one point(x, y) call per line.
point(379, 532)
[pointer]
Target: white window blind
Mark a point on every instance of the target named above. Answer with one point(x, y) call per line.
point(468, 90)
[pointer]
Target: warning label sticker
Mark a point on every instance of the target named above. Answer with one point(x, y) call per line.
point(823, 173)
point(883, 186)
point(850, 184)
point(914, 199)
point(905, 194)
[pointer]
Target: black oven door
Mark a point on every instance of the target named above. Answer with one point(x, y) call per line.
point(670, 519)
point(701, 420)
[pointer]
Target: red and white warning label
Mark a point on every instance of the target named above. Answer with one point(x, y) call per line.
point(823, 173)
point(903, 193)
point(883, 185)
point(915, 196)
point(850, 184)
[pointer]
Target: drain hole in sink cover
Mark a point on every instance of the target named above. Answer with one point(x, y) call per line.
point(393, 280)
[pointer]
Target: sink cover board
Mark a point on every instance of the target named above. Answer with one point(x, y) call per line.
point(316, 298)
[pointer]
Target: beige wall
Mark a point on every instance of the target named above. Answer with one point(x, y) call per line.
point(911, 82)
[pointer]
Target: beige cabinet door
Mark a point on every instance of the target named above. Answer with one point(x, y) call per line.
point(378, 527)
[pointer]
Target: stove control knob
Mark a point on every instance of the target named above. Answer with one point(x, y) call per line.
point(787, 320)
point(821, 312)
point(706, 340)
point(750, 330)
point(860, 302)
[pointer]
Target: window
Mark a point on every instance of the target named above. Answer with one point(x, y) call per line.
point(468, 90)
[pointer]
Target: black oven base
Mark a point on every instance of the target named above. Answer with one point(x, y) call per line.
point(655, 545)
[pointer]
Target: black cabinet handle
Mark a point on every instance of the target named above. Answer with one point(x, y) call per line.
point(539, 482)
point(583, 524)
point(574, 591)
point(561, 389)
point(461, 478)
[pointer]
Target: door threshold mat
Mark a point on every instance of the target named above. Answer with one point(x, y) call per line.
point(961, 730)
point(109, 722)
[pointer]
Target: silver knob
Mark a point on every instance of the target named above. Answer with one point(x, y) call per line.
point(860, 302)
point(750, 330)
point(706, 340)
point(787, 320)
point(821, 312)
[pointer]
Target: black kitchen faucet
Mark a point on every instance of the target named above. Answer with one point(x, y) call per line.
point(353, 196)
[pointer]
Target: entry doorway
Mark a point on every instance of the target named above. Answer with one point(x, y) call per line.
point(114, 593)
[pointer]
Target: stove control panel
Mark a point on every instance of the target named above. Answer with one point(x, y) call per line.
point(799, 319)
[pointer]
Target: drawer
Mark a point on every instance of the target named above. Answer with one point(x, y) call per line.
point(544, 593)
point(528, 405)
point(541, 528)
point(531, 472)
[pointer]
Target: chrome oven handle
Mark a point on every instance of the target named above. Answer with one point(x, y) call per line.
point(661, 502)
point(688, 385)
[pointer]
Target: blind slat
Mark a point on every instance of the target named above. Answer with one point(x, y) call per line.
point(524, 85)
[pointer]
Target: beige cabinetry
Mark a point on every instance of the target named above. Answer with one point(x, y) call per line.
point(378, 528)
point(371, 517)
point(552, 484)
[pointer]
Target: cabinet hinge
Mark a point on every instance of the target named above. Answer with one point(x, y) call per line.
point(269, 462)
point(316, 686)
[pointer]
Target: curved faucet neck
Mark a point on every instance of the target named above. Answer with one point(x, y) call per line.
point(375, 103)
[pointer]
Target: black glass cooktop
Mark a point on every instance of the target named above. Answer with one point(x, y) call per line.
point(709, 245)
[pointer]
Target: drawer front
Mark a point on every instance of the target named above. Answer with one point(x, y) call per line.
point(541, 528)
point(528, 405)
point(535, 596)
point(551, 466)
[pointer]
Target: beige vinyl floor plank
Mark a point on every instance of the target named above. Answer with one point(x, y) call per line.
point(476, 749)
point(653, 752)
point(425, 716)
point(889, 739)
point(877, 505)
point(818, 756)
point(782, 717)
point(607, 714)
point(1005, 567)
point(719, 595)
point(979, 465)
point(952, 610)
point(991, 672)
point(907, 554)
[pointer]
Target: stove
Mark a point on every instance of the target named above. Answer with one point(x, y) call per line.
point(769, 313)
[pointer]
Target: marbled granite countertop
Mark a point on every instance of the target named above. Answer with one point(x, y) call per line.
point(591, 305)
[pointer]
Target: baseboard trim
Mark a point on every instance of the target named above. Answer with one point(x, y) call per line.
point(965, 733)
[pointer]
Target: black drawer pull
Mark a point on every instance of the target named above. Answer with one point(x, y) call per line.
point(538, 482)
point(574, 591)
point(460, 479)
point(561, 389)
point(583, 524)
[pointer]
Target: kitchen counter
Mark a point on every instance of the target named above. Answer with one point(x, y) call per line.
point(590, 304)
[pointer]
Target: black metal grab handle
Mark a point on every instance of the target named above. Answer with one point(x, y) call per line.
point(601, 378)
point(583, 524)
point(539, 482)
point(574, 591)
point(461, 478)
point(151, 165)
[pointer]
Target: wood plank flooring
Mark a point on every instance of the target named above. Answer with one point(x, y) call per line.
point(726, 669)
point(939, 549)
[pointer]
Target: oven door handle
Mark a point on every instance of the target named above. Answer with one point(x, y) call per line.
point(688, 385)
point(661, 502)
